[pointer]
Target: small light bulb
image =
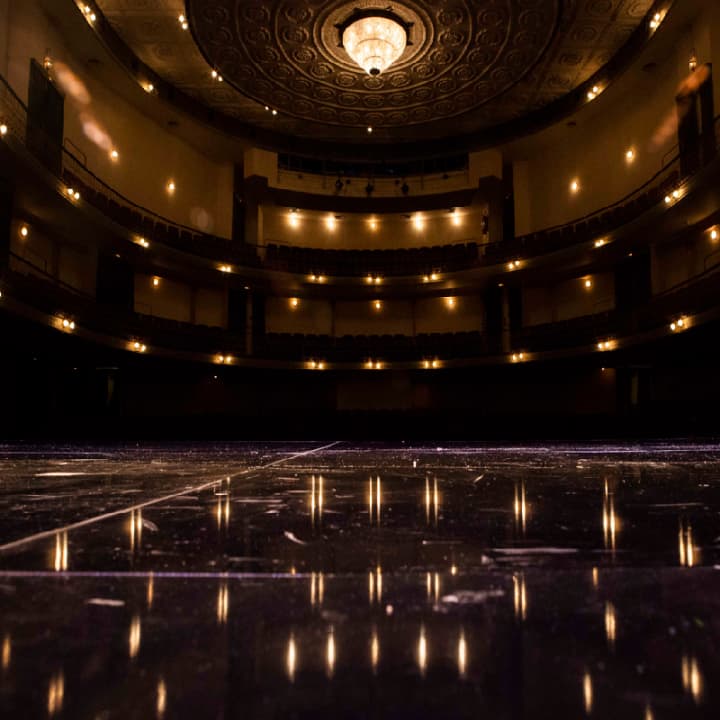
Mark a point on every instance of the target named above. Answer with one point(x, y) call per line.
point(114, 155)
point(369, 130)
point(588, 283)
point(575, 186)
point(630, 155)
point(171, 187)
point(156, 282)
point(378, 305)
point(713, 234)
point(3, 129)
point(24, 232)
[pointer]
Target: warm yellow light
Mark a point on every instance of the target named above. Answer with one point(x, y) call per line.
point(451, 302)
point(630, 156)
point(171, 187)
point(513, 265)
point(419, 222)
point(575, 187)
point(518, 357)
point(714, 235)
point(183, 22)
point(143, 242)
point(369, 130)
point(655, 21)
point(599, 243)
point(456, 218)
point(216, 76)
point(114, 155)
point(588, 283)
point(3, 129)
point(293, 219)
point(67, 324)
point(156, 282)
point(668, 199)
point(378, 305)
point(24, 231)
point(374, 43)
point(225, 268)
point(676, 194)
point(149, 88)
point(137, 346)
point(294, 302)
point(373, 224)
point(331, 222)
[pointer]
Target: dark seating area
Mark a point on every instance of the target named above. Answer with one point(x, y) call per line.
point(359, 348)
point(350, 263)
point(590, 228)
point(357, 263)
point(154, 229)
point(46, 296)
point(585, 330)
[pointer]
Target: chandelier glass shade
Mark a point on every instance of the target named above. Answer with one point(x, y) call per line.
point(374, 42)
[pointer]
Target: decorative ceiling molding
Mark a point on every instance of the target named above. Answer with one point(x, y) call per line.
point(478, 71)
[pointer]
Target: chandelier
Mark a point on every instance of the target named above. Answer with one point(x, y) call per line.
point(374, 38)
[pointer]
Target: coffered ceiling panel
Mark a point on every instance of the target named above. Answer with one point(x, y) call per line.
point(472, 65)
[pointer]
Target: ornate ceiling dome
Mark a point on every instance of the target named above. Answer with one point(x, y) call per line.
point(467, 68)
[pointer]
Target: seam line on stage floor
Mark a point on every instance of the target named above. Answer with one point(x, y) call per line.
point(155, 501)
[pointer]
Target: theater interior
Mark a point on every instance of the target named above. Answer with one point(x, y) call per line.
point(359, 358)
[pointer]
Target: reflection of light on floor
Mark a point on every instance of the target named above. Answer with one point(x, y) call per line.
point(222, 512)
point(291, 659)
point(611, 522)
point(161, 699)
point(686, 545)
point(462, 655)
point(135, 529)
point(432, 586)
point(60, 557)
point(317, 588)
point(375, 585)
point(150, 591)
point(330, 654)
point(317, 498)
point(375, 499)
point(134, 637)
point(432, 501)
point(56, 694)
point(422, 651)
point(520, 507)
point(520, 596)
point(374, 651)
point(223, 601)
point(610, 624)
point(587, 692)
point(692, 678)
point(6, 652)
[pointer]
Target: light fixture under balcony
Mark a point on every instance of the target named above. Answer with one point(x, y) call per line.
point(374, 38)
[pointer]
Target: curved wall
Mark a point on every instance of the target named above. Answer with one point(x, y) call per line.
point(636, 113)
point(150, 155)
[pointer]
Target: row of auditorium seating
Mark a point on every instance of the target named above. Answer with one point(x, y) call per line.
point(348, 263)
point(156, 230)
point(359, 348)
point(576, 332)
point(591, 228)
point(45, 295)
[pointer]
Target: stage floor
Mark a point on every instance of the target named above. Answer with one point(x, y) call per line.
point(313, 580)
